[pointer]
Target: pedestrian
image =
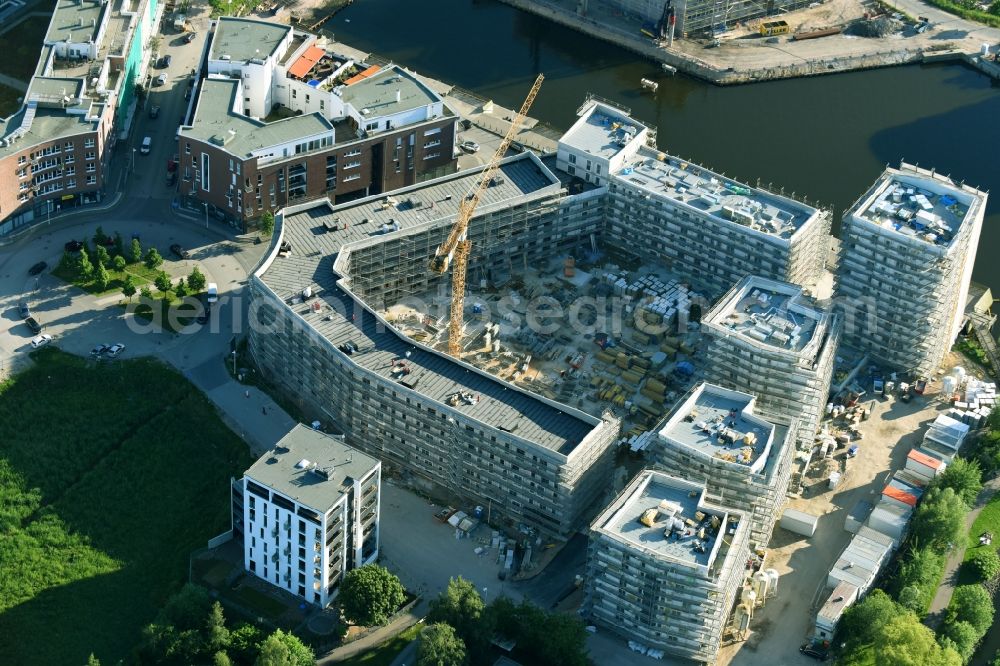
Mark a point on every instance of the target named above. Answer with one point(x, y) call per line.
point(263, 410)
point(247, 393)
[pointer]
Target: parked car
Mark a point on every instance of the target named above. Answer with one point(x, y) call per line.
point(180, 252)
point(160, 80)
point(73, 246)
point(37, 268)
point(154, 111)
point(98, 350)
point(166, 60)
point(115, 349)
point(469, 146)
point(190, 37)
point(33, 325)
point(40, 340)
point(814, 652)
point(24, 310)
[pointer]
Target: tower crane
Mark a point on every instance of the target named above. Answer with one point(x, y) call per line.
point(454, 251)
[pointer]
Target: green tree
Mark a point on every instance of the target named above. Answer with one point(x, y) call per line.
point(146, 293)
point(221, 659)
point(196, 281)
point(84, 269)
point(963, 476)
point(459, 606)
point(985, 564)
point(93, 661)
point(904, 641)
point(369, 595)
point(216, 634)
point(67, 263)
point(119, 245)
point(119, 263)
point(153, 259)
point(963, 638)
point(863, 621)
point(911, 598)
point(284, 649)
point(180, 289)
point(99, 237)
point(440, 646)
point(563, 641)
point(101, 277)
point(267, 223)
point(920, 569)
point(135, 252)
point(972, 604)
point(939, 519)
point(128, 288)
point(102, 255)
point(244, 643)
point(177, 634)
point(163, 283)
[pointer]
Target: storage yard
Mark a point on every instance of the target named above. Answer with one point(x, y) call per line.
point(893, 428)
point(591, 335)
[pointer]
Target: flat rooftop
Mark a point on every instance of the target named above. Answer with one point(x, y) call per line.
point(317, 234)
point(76, 20)
point(389, 91)
point(770, 313)
point(719, 423)
point(670, 537)
point(245, 39)
point(723, 198)
point(602, 131)
point(289, 468)
point(215, 121)
point(48, 124)
point(918, 205)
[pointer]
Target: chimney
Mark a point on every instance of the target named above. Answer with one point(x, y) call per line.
point(399, 95)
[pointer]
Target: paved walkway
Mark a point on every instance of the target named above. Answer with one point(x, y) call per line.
point(354, 648)
point(935, 614)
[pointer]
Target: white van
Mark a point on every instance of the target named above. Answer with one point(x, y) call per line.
point(147, 143)
point(213, 292)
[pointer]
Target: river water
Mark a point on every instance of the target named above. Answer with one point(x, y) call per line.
point(824, 138)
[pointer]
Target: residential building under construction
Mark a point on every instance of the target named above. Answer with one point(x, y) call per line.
point(664, 566)
point(909, 245)
point(716, 438)
point(769, 339)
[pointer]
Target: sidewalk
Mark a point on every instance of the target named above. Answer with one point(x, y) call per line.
point(935, 614)
point(380, 635)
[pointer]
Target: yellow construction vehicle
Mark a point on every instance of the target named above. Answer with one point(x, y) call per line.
point(456, 247)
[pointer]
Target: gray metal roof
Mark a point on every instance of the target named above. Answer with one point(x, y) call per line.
point(245, 39)
point(76, 20)
point(340, 319)
point(215, 121)
point(282, 469)
point(378, 93)
point(621, 520)
point(602, 131)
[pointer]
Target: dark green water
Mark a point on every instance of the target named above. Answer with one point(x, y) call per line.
point(826, 138)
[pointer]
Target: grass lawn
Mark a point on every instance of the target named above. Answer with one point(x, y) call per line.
point(254, 600)
point(8, 100)
point(141, 275)
point(110, 474)
point(22, 46)
point(384, 654)
point(988, 520)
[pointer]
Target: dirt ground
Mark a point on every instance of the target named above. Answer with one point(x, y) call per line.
point(785, 621)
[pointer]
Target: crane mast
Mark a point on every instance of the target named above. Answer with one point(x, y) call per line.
point(454, 252)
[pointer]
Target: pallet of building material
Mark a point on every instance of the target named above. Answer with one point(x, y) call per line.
point(605, 357)
point(622, 360)
point(652, 395)
point(669, 350)
point(640, 362)
point(656, 386)
point(640, 338)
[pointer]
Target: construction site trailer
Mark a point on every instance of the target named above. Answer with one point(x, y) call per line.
point(771, 28)
point(857, 516)
point(799, 522)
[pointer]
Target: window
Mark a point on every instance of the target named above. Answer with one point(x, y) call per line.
point(432, 132)
point(353, 153)
point(91, 180)
point(69, 147)
point(353, 164)
point(71, 171)
point(205, 163)
point(71, 183)
point(187, 148)
point(88, 143)
point(572, 159)
point(22, 159)
point(91, 168)
point(571, 170)
point(430, 156)
point(70, 159)
point(353, 177)
point(370, 127)
point(431, 144)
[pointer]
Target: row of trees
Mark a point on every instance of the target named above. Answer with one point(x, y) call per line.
point(191, 629)
point(463, 627)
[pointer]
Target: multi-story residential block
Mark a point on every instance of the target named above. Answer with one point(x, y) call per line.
point(909, 245)
point(768, 339)
point(703, 226)
point(664, 566)
point(307, 512)
point(55, 150)
point(280, 120)
point(526, 458)
point(714, 437)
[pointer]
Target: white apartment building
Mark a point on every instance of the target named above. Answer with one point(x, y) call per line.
point(307, 512)
point(715, 438)
point(664, 566)
point(767, 338)
point(909, 245)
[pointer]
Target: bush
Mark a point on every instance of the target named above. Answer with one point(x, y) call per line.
point(118, 263)
point(963, 476)
point(972, 604)
point(370, 594)
point(153, 259)
point(963, 637)
point(440, 646)
point(939, 520)
point(985, 564)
